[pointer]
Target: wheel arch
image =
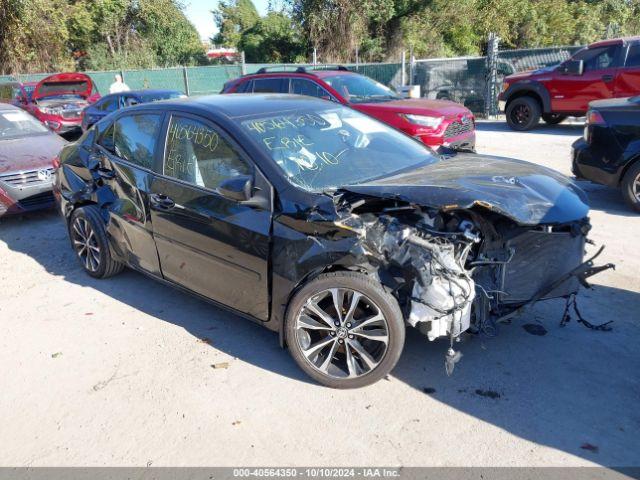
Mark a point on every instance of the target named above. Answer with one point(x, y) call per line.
point(534, 90)
point(632, 161)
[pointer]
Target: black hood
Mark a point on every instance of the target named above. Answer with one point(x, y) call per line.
point(526, 193)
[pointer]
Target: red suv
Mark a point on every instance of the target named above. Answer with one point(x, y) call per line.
point(434, 122)
point(606, 69)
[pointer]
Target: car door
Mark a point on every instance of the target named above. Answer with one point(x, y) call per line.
point(213, 245)
point(628, 79)
point(572, 93)
point(124, 156)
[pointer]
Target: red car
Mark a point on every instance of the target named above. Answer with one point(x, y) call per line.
point(17, 93)
point(58, 100)
point(434, 122)
point(606, 69)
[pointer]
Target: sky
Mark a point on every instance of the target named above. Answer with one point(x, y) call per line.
point(199, 12)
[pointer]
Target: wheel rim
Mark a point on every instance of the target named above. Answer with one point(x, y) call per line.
point(635, 188)
point(521, 114)
point(86, 244)
point(342, 333)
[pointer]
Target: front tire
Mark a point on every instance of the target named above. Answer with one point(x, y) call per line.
point(631, 186)
point(523, 113)
point(89, 240)
point(345, 330)
point(553, 118)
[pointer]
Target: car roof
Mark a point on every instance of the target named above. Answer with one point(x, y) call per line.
point(236, 105)
point(615, 41)
point(302, 72)
point(144, 92)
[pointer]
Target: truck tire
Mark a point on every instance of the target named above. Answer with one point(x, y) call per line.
point(345, 330)
point(553, 118)
point(631, 186)
point(523, 113)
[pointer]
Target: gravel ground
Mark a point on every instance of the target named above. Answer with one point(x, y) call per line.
point(119, 372)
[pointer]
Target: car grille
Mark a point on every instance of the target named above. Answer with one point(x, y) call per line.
point(41, 200)
point(71, 114)
point(26, 178)
point(457, 128)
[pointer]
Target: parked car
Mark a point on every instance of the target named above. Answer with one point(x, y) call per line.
point(116, 101)
point(16, 93)
point(434, 122)
point(28, 152)
point(58, 100)
point(606, 69)
point(609, 152)
point(321, 223)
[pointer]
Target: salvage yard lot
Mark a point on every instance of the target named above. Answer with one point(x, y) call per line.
point(121, 371)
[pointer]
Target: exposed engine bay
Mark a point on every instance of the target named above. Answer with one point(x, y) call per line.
point(465, 270)
point(65, 107)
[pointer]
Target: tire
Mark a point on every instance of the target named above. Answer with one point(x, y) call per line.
point(89, 241)
point(523, 113)
point(553, 118)
point(631, 186)
point(352, 354)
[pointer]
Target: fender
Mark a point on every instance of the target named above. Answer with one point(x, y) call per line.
point(521, 88)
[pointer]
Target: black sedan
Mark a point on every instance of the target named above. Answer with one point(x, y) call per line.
point(609, 152)
point(320, 223)
point(116, 101)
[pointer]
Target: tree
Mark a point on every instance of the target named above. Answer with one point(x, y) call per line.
point(274, 38)
point(233, 18)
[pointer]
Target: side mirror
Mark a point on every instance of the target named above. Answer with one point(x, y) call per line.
point(237, 188)
point(572, 67)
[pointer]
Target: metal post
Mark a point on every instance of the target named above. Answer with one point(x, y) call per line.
point(357, 58)
point(403, 76)
point(491, 90)
point(122, 75)
point(315, 56)
point(412, 66)
point(186, 80)
point(243, 65)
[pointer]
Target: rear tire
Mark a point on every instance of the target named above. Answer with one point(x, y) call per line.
point(89, 240)
point(553, 118)
point(631, 186)
point(523, 113)
point(355, 347)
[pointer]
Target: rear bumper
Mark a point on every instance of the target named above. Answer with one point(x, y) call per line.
point(589, 166)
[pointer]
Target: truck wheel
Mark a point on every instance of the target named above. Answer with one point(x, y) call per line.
point(553, 118)
point(523, 113)
point(631, 186)
point(345, 330)
point(89, 241)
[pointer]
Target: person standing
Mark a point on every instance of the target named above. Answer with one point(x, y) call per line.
point(118, 86)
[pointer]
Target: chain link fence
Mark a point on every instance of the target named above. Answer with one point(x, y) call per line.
point(461, 79)
point(464, 79)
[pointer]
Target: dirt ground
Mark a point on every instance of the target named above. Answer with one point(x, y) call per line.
point(119, 372)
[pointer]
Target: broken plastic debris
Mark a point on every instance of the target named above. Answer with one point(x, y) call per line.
point(220, 365)
point(56, 355)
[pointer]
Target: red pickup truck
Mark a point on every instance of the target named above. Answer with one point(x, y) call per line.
point(606, 69)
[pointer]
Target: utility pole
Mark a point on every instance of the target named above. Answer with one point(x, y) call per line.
point(403, 74)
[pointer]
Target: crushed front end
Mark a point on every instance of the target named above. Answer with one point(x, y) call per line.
point(466, 269)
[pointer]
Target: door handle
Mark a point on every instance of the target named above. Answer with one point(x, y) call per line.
point(607, 78)
point(161, 202)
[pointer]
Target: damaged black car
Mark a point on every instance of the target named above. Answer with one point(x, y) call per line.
point(322, 224)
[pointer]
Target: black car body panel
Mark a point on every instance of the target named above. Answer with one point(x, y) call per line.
point(612, 146)
point(523, 227)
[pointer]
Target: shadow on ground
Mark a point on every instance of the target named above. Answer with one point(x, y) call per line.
point(568, 388)
point(573, 129)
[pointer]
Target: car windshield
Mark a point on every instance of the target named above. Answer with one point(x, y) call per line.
point(360, 89)
point(322, 148)
point(14, 124)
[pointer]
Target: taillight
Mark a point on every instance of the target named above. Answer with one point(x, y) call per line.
point(593, 118)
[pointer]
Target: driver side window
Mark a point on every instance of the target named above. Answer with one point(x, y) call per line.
point(197, 154)
point(598, 58)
